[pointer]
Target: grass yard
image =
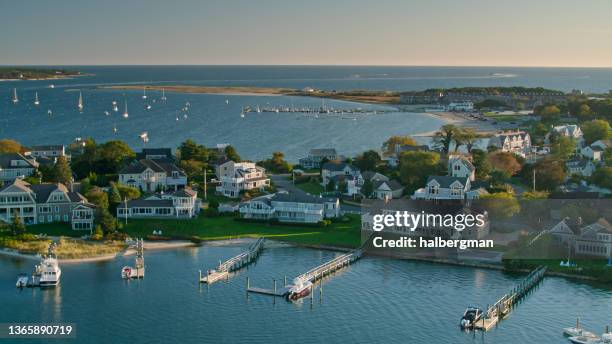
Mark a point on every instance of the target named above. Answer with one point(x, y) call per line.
point(311, 187)
point(344, 234)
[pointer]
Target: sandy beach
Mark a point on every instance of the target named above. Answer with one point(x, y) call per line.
point(484, 128)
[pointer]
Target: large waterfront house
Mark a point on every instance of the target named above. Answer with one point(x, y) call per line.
point(316, 155)
point(150, 175)
point(290, 207)
point(448, 188)
point(517, 142)
point(155, 154)
point(355, 181)
point(591, 240)
point(45, 203)
point(47, 152)
point(572, 131)
point(580, 167)
point(182, 203)
point(15, 165)
point(236, 177)
point(331, 170)
point(461, 166)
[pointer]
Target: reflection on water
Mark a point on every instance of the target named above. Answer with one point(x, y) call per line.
point(374, 300)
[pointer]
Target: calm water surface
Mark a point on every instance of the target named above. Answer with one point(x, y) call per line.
point(375, 300)
point(213, 121)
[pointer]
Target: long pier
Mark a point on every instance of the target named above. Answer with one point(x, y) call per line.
point(312, 275)
point(503, 306)
point(233, 264)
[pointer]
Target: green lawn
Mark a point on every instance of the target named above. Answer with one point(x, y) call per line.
point(55, 229)
point(311, 187)
point(345, 234)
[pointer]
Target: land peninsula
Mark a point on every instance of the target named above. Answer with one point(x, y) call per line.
point(18, 73)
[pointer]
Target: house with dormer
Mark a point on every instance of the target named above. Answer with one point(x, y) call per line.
point(150, 175)
point(236, 177)
point(461, 166)
point(580, 167)
point(331, 170)
point(447, 188)
point(590, 240)
point(16, 165)
point(517, 142)
point(182, 203)
point(45, 203)
point(316, 155)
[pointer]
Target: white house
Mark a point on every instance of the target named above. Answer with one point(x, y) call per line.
point(517, 142)
point(569, 130)
point(240, 176)
point(596, 150)
point(177, 204)
point(291, 207)
point(15, 165)
point(316, 155)
point(461, 166)
point(387, 189)
point(356, 183)
point(447, 188)
point(591, 240)
point(47, 151)
point(581, 167)
point(151, 175)
point(330, 170)
point(464, 106)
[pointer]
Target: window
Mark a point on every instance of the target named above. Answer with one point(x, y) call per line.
point(65, 218)
point(433, 189)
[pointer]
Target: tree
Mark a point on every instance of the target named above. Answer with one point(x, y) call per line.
point(190, 150)
point(445, 137)
point(532, 195)
point(330, 186)
point(481, 163)
point(111, 155)
point(61, 172)
point(17, 226)
point(9, 146)
point(548, 113)
point(501, 205)
point(603, 177)
point(563, 147)
point(414, 167)
point(231, 154)
point(98, 233)
point(98, 197)
point(584, 110)
point(607, 156)
point(193, 168)
point(367, 188)
point(467, 137)
point(114, 197)
point(594, 130)
point(276, 164)
point(342, 186)
point(549, 174)
point(394, 142)
point(368, 160)
point(505, 162)
point(128, 192)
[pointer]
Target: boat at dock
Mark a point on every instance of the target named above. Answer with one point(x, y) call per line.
point(606, 338)
point(138, 271)
point(578, 331)
point(299, 289)
point(22, 280)
point(470, 317)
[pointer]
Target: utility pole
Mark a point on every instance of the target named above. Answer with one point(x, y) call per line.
point(205, 186)
point(126, 209)
point(534, 181)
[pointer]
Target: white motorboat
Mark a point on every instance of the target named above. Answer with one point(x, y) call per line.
point(126, 272)
point(299, 289)
point(50, 272)
point(578, 331)
point(144, 93)
point(470, 316)
point(22, 280)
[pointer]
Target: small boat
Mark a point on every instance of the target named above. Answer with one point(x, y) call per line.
point(51, 86)
point(115, 107)
point(185, 116)
point(80, 104)
point(577, 331)
point(107, 113)
point(227, 101)
point(115, 129)
point(15, 98)
point(125, 112)
point(242, 113)
point(144, 136)
point(470, 316)
point(147, 107)
point(144, 93)
point(49, 112)
point(36, 101)
point(585, 340)
point(126, 272)
point(163, 97)
point(177, 118)
point(22, 280)
point(299, 289)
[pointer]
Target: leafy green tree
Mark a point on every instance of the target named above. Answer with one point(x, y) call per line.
point(481, 163)
point(368, 160)
point(17, 226)
point(276, 164)
point(445, 137)
point(193, 168)
point(98, 233)
point(231, 154)
point(548, 113)
point(466, 137)
point(414, 167)
point(563, 147)
point(61, 172)
point(603, 177)
point(9, 146)
point(367, 188)
point(501, 205)
point(190, 150)
point(85, 186)
point(98, 197)
point(584, 111)
point(394, 142)
point(549, 174)
point(128, 192)
point(594, 130)
point(607, 156)
point(114, 197)
point(110, 156)
point(505, 162)
point(330, 186)
point(342, 186)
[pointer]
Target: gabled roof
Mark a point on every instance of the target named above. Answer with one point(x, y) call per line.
point(392, 184)
point(18, 185)
point(47, 148)
point(323, 152)
point(338, 166)
point(300, 198)
point(6, 158)
point(167, 152)
point(447, 181)
point(156, 165)
point(465, 162)
point(147, 203)
point(184, 193)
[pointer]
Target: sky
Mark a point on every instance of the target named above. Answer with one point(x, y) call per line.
point(555, 33)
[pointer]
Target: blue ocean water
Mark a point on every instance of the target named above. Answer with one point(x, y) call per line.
point(211, 120)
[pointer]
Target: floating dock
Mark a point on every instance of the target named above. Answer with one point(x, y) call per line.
point(233, 264)
point(312, 275)
point(503, 306)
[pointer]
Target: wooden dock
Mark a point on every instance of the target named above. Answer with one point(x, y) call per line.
point(312, 275)
point(233, 264)
point(503, 306)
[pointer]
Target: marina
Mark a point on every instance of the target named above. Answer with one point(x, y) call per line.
point(138, 271)
point(233, 264)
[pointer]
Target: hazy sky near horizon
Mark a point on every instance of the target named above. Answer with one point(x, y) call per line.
point(343, 32)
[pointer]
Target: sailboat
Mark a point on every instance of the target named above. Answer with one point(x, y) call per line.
point(115, 107)
point(49, 112)
point(125, 113)
point(241, 112)
point(144, 93)
point(36, 102)
point(15, 99)
point(115, 128)
point(163, 97)
point(80, 105)
point(144, 136)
